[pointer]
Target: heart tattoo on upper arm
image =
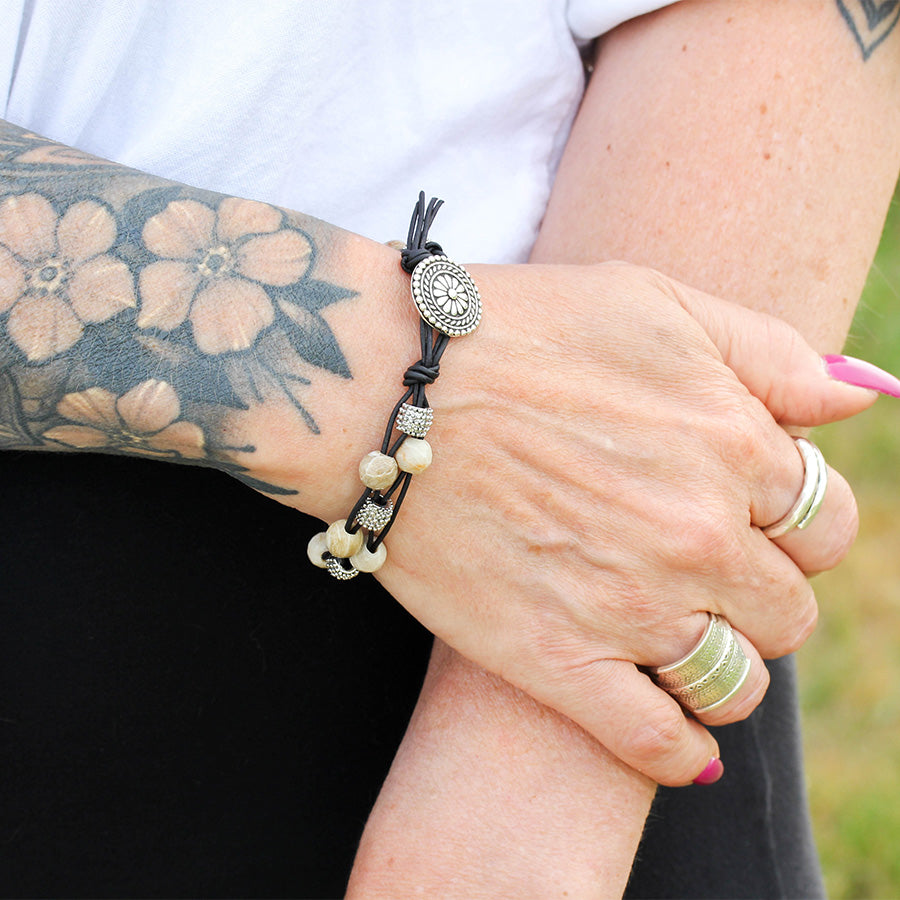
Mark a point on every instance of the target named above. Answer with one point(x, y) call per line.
point(870, 21)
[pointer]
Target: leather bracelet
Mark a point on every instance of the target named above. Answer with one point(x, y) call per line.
point(449, 306)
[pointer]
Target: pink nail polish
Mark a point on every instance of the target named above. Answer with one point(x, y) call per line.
point(712, 773)
point(862, 374)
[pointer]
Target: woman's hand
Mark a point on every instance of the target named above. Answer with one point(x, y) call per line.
point(600, 479)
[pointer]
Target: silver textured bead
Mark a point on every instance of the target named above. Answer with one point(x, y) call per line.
point(336, 567)
point(375, 516)
point(414, 420)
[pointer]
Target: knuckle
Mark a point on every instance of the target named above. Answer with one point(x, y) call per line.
point(802, 625)
point(619, 275)
point(708, 540)
point(808, 626)
point(736, 433)
point(742, 440)
point(617, 266)
point(657, 739)
point(791, 350)
point(789, 613)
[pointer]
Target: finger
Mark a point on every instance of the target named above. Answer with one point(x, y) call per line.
point(750, 694)
point(775, 471)
point(775, 363)
point(780, 471)
point(750, 580)
point(776, 605)
point(635, 720)
point(721, 679)
point(825, 541)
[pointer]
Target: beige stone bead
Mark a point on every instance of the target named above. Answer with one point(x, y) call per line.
point(318, 544)
point(367, 561)
point(341, 542)
point(378, 471)
point(414, 455)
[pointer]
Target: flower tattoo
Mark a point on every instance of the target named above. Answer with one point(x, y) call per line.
point(55, 273)
point(144, 420)
point(139, 315)
point(213, 269)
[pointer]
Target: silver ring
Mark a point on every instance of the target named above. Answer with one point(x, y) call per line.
point(711, 674)
point(815, 483)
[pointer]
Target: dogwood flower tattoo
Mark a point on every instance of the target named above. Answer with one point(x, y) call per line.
point(214, 268)
point(144, 420)
point(55, 273)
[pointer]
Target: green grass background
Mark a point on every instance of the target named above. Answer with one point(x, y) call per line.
point(850, 668)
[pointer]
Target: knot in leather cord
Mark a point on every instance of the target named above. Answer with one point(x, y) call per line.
point(412, 257)
point(419, 373)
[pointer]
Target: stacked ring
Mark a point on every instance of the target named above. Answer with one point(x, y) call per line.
point(711, 674)
point(815, 482)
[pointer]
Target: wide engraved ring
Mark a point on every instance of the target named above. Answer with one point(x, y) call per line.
point(710, 674)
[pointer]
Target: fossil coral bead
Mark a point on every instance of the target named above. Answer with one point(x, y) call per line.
point(341, 542)
point(367, 560)
point(378, 471)
point(316, 548)
point(414, 455)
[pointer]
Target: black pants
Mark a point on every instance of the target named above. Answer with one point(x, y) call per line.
point(188, 708)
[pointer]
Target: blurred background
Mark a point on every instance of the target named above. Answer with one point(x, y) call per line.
point(850, 668)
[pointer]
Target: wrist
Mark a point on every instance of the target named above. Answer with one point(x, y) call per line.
point(317, 454)
point(448, 303)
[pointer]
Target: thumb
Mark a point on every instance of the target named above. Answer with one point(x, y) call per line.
point(779, 367)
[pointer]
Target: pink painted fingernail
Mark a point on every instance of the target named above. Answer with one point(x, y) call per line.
point(712, 773)
point(862, 374)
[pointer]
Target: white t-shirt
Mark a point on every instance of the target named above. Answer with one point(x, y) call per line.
point(343, 109)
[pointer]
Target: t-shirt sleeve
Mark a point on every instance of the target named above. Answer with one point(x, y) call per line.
point(590, 18)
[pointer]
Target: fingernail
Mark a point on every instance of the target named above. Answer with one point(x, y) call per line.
point(712, 773)
point(862, 374)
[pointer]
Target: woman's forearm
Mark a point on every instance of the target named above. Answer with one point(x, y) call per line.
point(148, 317)
point(493, 795)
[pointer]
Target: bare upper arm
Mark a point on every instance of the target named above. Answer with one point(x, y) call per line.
point(746, 148)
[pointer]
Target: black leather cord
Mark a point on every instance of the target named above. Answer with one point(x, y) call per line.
point(417, 377)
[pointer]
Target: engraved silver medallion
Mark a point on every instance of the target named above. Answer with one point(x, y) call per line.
point(446, 296)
